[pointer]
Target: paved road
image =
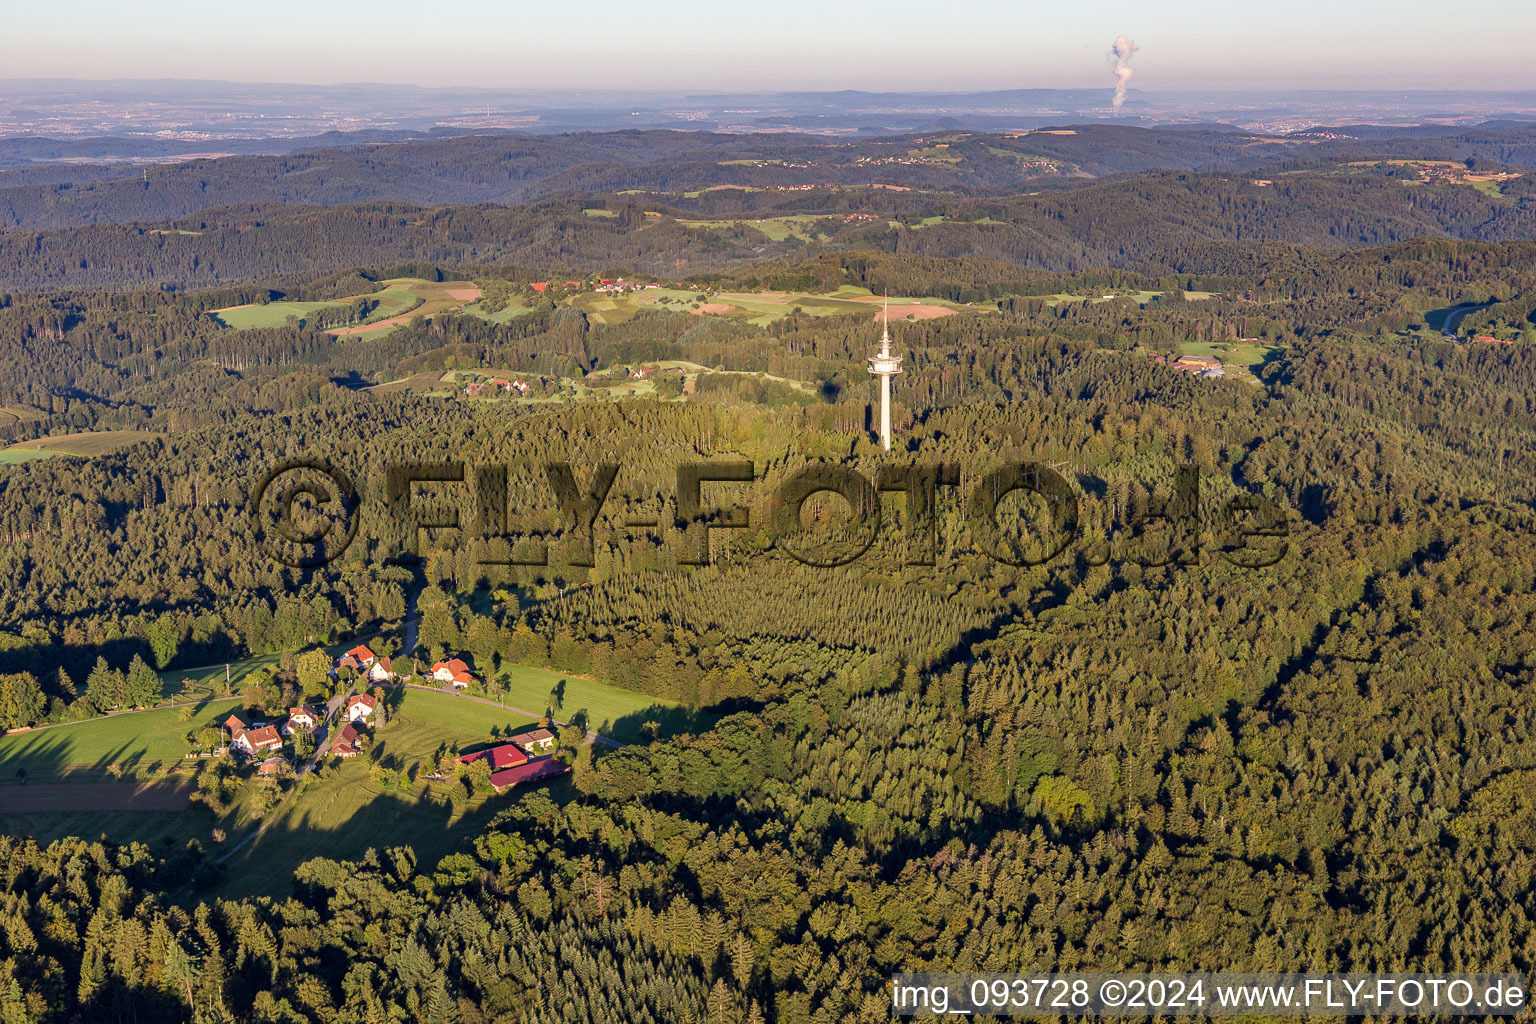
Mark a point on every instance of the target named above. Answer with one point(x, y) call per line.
point(1453, 318)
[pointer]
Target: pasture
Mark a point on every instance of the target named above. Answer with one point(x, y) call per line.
point(612, 712)
point(268, 314)
point(400, 300)
point(1243, 355)
point(762, 308)
point(134, 741)
point(85, 445)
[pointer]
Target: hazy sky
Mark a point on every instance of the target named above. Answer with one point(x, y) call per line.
point(784, 44)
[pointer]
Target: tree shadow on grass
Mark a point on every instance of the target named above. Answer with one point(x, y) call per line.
point(670, 720)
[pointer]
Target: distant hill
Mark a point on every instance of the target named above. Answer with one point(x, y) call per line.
point(506, 169)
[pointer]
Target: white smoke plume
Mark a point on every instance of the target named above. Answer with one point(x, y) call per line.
point(1121, 53)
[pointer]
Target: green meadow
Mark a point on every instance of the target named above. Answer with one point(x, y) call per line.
point(134, 741)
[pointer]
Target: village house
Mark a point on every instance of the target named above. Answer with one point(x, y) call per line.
point(539, 741)
point(359, 707)
point(300, 719)
point(271, 766)
point(382, 671)
point(453, 671)
point(349, 743)
point(258, 739)
point(362, 655)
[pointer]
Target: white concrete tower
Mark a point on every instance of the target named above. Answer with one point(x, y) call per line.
point(885, 366)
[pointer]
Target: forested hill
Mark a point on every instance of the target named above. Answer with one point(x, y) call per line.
point(513, 168)
point(1154, 224)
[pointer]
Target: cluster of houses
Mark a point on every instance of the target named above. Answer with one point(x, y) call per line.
point(261, 738)
point(527, 757)
point(607, 284)
point(366, 664)
point(1201, 366)
point(478, 387)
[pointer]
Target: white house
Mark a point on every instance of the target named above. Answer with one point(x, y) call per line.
point(359, 708)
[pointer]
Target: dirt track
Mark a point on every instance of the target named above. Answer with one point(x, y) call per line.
point(94, 796)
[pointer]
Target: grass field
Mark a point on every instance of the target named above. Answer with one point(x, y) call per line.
point(340, 813)
point(612, 712)
point(87, 445)
point(1250, 356)
point(760, 308)
point(344, 812)
point(135, 741)
point(400, 297)
point(10, 415)
point(778, 229)
point(269, 314)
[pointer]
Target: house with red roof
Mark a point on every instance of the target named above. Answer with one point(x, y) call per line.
point(453, 671)
point(362, 654)
point(507, 755)
point(300, 719)
point(533, 771)
point(382, 671)
point(271, 766)
point(260, 740)
point(349, 742)
point(359, 707)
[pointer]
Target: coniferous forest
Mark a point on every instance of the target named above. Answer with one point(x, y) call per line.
point(1177, 745)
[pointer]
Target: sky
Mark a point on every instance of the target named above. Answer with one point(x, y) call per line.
point(785, 44)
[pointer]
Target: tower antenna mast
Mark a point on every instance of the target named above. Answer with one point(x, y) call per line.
point(885, 366)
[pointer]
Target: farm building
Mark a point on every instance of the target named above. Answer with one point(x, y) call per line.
point(533, 771)
point(508, 755)
point(359, 707)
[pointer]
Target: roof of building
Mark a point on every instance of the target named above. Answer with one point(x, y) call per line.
point(458, 671)
point(234, 725)
point(544, 768)
point(361, 653)
point(365, 699)
point(266, 734)
point(301, 710)
point(346, 740)
point(504, 756)
point(536, 736)
point(271, 765)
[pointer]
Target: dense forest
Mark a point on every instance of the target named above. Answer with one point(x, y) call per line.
point(1141, 754)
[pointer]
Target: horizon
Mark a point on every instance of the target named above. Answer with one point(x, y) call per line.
point(805, 47)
